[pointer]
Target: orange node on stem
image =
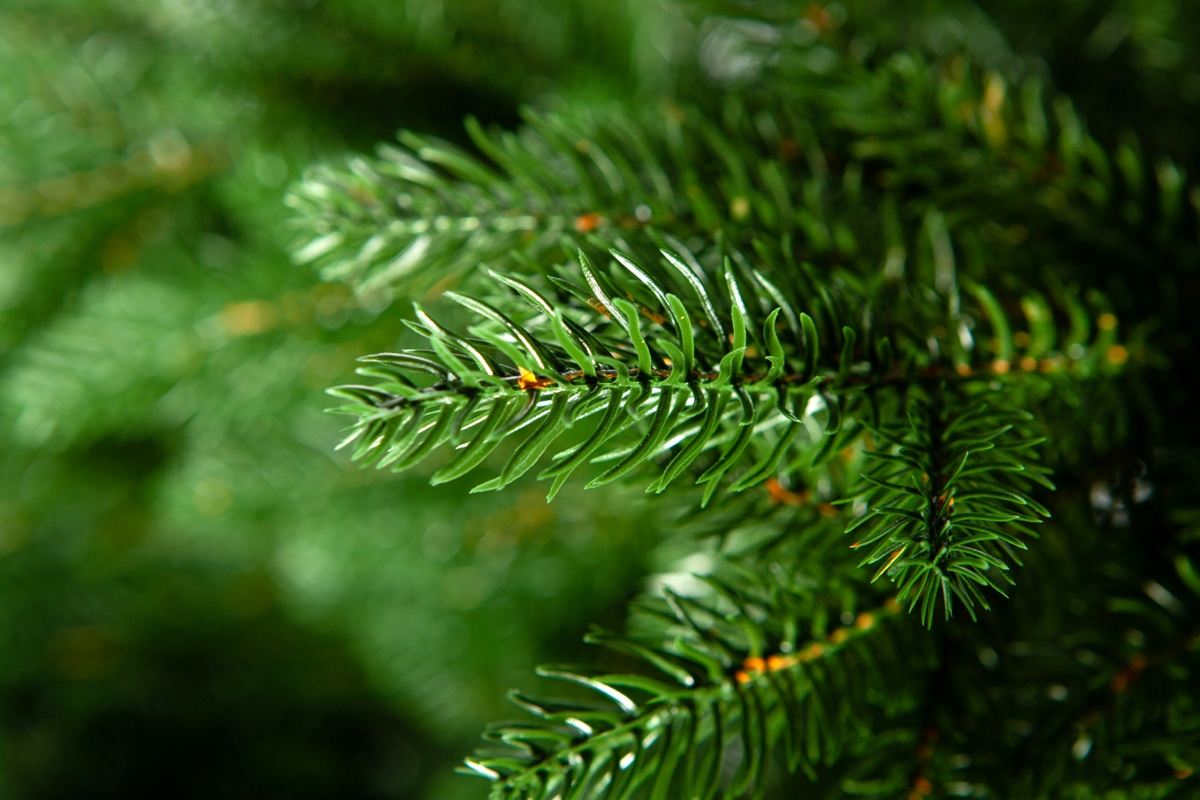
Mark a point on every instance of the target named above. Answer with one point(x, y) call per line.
point(963, 369)
point(814, 650)
point(781, 495)
point(586, 223)
point(754, 664)
point(529, 380)
point(864, 622)
point(249, 318)
point(776, 663)
point(821, 19)
point(840, 635)
point(650, 315)
point(922, 785)
point(596, 304)
point(1122, 680)
point(1000, 366)
point(742, 677)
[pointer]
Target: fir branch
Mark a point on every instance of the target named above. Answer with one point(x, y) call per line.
point(783, 164)
point(430, 209)
point(676, 393)
point(946, 499)
point(730, 675)
point(685, 376)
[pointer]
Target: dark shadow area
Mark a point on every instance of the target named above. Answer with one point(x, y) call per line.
point(163, 681)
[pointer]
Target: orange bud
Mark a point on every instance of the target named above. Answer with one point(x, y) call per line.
point(776, 663)
point(528, 381)
point(779, 494)
point(814, 650)
point(586, 223)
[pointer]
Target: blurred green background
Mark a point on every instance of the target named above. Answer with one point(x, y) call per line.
point(198, 597)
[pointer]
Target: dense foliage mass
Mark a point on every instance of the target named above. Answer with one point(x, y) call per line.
point(868, 326)
point(876, 279)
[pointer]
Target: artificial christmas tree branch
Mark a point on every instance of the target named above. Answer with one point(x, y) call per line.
point(858, 279)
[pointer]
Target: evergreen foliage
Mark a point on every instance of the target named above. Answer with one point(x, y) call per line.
point(167, 491)
point(859, 275)
point(867, 325)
